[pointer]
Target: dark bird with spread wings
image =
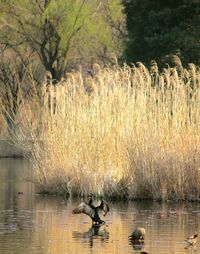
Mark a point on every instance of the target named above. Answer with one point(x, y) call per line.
point(192, 239)
point(92, 211)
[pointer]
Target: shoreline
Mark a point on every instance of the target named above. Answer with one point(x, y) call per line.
point(9, 150)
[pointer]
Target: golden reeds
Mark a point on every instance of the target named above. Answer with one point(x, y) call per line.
point(123, 132)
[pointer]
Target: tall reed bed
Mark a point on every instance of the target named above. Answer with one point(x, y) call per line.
point(124, 132)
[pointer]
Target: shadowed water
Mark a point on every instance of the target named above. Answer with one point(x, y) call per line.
point(30, 223)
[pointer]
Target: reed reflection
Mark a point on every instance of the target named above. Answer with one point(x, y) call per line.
point(41, 224)
point(16, 206)
point(16, 199)
point(96, 232)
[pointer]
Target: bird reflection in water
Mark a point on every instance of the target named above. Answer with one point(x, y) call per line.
point(191, 249)
point(137, 245)
point(137, 238)
point(93, 233)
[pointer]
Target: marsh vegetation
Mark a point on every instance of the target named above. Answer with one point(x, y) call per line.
point(125, 132)
point(90, 123)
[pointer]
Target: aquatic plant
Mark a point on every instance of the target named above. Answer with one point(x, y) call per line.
point(125, 132)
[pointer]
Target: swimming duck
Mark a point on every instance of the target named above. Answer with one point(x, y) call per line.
point(192, 239)
point(138, 235)
point(92, 211)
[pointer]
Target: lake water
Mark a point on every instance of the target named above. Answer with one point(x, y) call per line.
point(34, 224)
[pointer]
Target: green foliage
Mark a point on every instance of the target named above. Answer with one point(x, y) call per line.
point(159, 28)
point(59, 30)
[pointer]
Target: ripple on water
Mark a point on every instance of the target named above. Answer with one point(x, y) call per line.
point(44, 225)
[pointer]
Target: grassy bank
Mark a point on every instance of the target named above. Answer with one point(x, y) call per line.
point(124, 132)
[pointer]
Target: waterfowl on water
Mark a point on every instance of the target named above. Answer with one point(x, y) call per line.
point(92, 211)
point(138, 235)
point(192, 239)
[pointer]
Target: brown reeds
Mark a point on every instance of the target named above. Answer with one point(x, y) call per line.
point(123, 132)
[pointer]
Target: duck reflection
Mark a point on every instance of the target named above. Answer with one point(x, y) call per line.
point(95, 232)
point(137, 245)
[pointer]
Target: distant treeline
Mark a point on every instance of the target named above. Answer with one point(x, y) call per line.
point(157, 29)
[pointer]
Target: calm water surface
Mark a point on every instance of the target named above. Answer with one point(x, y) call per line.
point(30, 223)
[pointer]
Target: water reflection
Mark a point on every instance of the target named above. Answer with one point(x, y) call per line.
point(191, 249)
point(137, 246)
point(92, 234)
point(37, 224)
point(15, 215)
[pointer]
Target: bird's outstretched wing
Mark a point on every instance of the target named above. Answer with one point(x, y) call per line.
point(192, 239)
point(84, 208)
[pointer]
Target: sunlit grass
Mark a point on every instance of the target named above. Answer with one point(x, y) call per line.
point(117, 134)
